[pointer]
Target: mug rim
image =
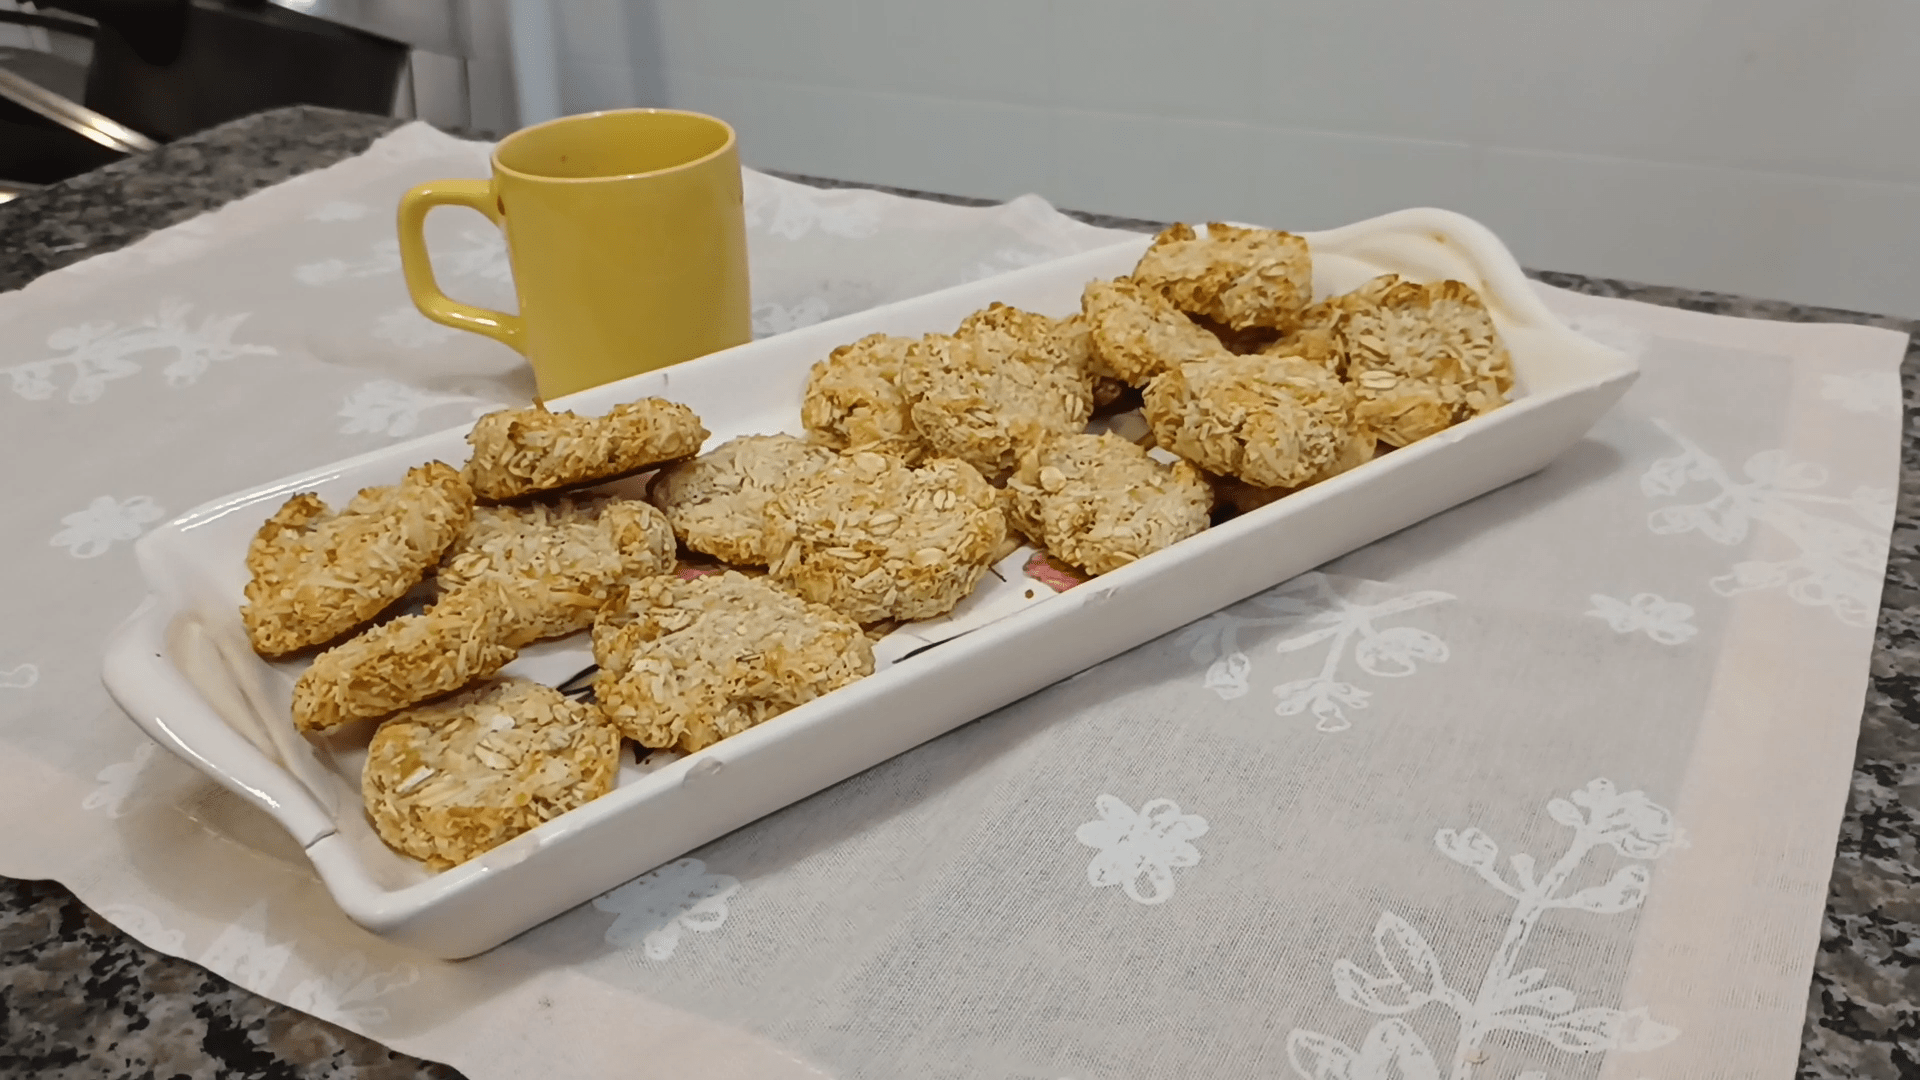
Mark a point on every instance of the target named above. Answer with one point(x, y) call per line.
point(723, 148)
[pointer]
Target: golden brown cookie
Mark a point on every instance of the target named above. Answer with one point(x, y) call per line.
point(560, 559)
point(684, 664)
point(317, 574)
point(1237, 277)
point(1066, 339)
point(1136, 333)
point(520, 452)
point(1075, 338)
point(448, 781)
point(412, 659)
point(1006, 379)
point(1310, 336)
point(853, 399)
point(1421, 358)
point(1100, 502)
point(874, 539)
point(717, 503)
point(1075, 335)
point(1072, 335)
point(1271, 421)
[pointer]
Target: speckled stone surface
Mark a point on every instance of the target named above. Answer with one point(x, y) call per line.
point(83, 1000)
point(113, 206)
point(80, 999)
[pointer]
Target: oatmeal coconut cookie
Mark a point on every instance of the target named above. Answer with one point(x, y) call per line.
point(412, 659)
point(1075, 335)
point(1065, 339)
point(684, 664)
point(1421, 358)
point(559, 560)
point(1072, 336)
point(448, 781)
point(1237, 277)
point(1002, 382)
point(853, 399)
point(717, 503)
point(1310, 335)
point(520, 452)
point(1101, 502)
point(316, 574)
point(1274, 422)
point(1136, 333)
point(874, 539)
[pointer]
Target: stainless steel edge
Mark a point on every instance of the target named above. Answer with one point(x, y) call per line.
point(73, 116)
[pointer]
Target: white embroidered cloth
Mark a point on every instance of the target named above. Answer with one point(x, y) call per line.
point(1546, 786)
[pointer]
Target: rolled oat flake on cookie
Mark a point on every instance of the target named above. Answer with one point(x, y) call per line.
point(449, 781)
point(717, 503)
point(519, 452)
point(875, 539)
point(686, 663)
point(316, 574)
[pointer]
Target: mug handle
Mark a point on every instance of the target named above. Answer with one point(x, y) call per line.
point(509, 330)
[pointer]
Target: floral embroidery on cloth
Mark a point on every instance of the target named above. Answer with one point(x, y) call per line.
point(656, 908)
point(1839, 564)
point(351, 990)
point(1406, 974)
point(1668, 622)
point(90, 533)
point(1312, 604)
point(1146, 846)
point(116, 782)
point(481, 253)
point(145, 925)
point(243, 953)
point(94, 354)
point(393, 408)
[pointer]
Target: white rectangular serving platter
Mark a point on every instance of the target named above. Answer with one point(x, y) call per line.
point(181, 667)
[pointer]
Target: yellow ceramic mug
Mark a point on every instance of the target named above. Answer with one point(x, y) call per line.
point(627, 240)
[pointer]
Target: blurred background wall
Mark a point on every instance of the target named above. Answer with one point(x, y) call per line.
point(1758, 146)
point(1752, 146)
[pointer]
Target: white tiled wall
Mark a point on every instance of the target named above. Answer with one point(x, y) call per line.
point(1769, 147)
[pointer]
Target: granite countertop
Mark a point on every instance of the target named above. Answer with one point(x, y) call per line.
point(81, 999)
